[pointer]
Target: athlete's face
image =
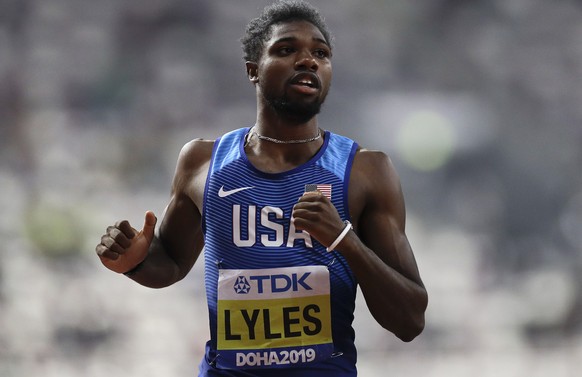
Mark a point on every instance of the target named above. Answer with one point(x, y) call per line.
point(294, 71)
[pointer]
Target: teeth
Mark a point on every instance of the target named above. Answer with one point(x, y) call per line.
point(306, 81)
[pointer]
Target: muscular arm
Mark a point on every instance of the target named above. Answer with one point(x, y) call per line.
point(378, 252)
point(175, 248)
point(177, 244)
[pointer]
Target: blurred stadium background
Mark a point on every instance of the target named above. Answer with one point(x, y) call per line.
point(478, 102)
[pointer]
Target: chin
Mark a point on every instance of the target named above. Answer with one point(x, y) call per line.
point(299, 112)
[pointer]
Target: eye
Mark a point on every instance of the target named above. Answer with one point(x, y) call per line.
point(321, 54)
point(286, 50)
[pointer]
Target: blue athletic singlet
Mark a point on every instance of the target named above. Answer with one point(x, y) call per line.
point(279, 303)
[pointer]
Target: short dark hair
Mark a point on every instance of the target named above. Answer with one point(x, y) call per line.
point(258, 31)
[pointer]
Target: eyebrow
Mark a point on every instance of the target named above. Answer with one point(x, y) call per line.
point(293, 39)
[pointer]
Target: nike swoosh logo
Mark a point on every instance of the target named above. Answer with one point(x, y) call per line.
point(224, 193)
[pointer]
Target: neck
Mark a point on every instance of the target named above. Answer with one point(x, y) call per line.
point(276, 157)
point(284, 154)
point(274, 126)
point(286, 141)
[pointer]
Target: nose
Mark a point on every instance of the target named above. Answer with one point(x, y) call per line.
point(306, 62)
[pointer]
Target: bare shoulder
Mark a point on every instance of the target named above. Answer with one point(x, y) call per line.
point(367, 156)
point(192, 169)
point(194, 155)
point(374, 184)
point(375, 170)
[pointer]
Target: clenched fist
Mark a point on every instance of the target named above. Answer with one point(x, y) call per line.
point(122, 247)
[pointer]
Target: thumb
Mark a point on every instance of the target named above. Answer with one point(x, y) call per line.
point(149, 225)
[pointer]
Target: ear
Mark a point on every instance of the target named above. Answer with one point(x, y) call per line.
point(252, 71)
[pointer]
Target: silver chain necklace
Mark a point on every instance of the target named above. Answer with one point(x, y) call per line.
point(277, 141)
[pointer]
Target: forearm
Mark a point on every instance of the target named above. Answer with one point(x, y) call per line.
point(396, 302)
point(158, 270)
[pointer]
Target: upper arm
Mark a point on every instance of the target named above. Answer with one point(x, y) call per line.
point(381, 215)
point(180, 231)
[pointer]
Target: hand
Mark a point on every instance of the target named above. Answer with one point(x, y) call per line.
point(122, 248)
point(316, 214)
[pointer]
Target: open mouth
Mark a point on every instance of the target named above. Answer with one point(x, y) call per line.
point(306, 80)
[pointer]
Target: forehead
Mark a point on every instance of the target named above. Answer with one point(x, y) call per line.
point(295, 30)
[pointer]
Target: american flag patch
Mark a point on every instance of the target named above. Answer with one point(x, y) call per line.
point(325, 189)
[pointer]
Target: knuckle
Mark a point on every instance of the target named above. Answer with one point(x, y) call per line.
point(117, 249)
point(117, 236)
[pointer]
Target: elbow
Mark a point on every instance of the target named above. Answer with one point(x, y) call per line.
point(413, 330)
point(415, 322)
point(406, 329)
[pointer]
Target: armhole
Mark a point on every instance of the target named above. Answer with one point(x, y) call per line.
point(208, 176)
point(347, 176)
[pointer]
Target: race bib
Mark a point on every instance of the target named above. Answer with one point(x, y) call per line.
point(273, 318)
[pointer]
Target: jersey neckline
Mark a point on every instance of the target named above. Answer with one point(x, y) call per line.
point(311, 161)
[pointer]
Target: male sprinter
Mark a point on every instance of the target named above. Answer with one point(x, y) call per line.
point(291, 218)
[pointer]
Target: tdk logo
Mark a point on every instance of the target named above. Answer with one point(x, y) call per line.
point(281, 283)
point(242, 285)
point(273, 283)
